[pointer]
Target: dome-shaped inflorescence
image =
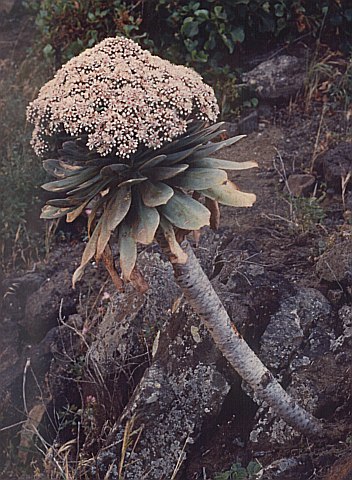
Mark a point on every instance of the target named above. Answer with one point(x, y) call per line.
point(122, 97)
point(139, 144)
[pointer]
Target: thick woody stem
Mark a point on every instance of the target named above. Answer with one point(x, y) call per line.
point(206, 303)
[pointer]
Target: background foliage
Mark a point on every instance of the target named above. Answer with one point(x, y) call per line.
point(206, 33)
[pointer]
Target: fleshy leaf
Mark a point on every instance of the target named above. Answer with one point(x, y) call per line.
point(163, 173)
point(179, 255)
point(200, 178)
point(128, 250)
point(211, 147)
point(85, 185)
point(59, 169)
point(185, 212)
point(177, 157)
point(133, 181)
point(155, 193)
point(225, 164)
point(228, 194)
point(146, 224)
point(51, 212)
point(193, 139)
point(69, 182)
point(152, 162)
point(76, 213)
point(115, 212)
point(88, 254)
point(111, 170)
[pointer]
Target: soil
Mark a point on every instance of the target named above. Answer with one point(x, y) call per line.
point(288, 234)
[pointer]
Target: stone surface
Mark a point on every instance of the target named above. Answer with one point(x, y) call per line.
point(335, 265)
point(295, 341)
point(289, 326)
point(334, 165)
point(278, 79)
point(342, 468)
point(288, 469)
point(6, 5)
point(180, 391)
point(300, 184)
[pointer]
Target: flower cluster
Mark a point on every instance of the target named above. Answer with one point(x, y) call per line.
point(122, 98)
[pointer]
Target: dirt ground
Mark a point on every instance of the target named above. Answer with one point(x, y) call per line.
point(290, 234)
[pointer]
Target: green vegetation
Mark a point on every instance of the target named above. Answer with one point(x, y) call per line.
point(198, 32)
point(237, 472)
point(20, 178)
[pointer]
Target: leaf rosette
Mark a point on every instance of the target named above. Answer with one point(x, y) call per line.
point(166, 186)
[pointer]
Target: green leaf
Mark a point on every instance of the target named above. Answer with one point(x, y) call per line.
point(174, 158)
point(146, 223)
point(115, 212)
point(48, 50)
point(225, 164)
point(189, 28)
point(128, 250)
point(192, 139)
point(219, 12)
point(133, 181)
point(85, 185)
point(200, 178)
point(88, 254)
point(185, 212)
point(179, 255)
point(163, 173)
point(202, 14)
point(153, 162)
point(69, 182)
point(211, 147)
point(155, 194)
point(228, 194)
point(111, 170)
point(237, 34)
point(59, 169)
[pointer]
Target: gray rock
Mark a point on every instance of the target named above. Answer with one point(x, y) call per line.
point(295, 336)
point(288, 327)
point(278, 79)
point(288, 469)
point(180, 392)
point(335, 265)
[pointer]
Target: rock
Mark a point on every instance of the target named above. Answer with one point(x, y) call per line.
point(335, 265)
point(300, 185)
point(288, 469)
point(294, 342)
point(26, 371)
point(6, 5)
point(344, 340)
point(288, 327)
point(342, 468)
point(277, 80)
point(43, 306)
point(180, 391)
point(244, 126)
point(335, 165)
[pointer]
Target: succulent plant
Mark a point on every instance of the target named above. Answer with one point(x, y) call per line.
point(132, 132)
point(140, 146)
point(155, 191)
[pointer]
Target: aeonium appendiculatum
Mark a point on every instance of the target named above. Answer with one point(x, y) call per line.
point(154, 191)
